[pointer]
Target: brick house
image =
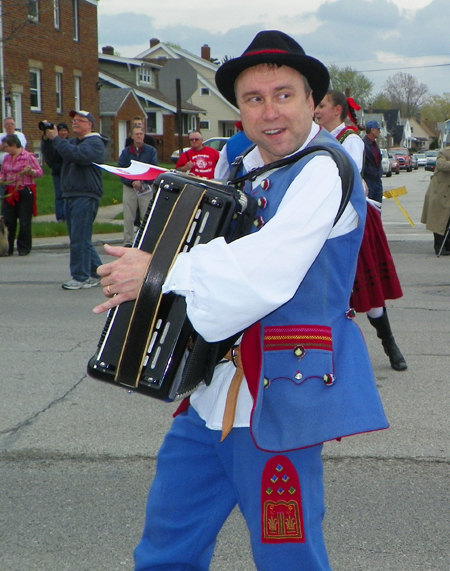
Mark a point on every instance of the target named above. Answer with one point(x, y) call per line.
point(135, 87)
point(48, 62)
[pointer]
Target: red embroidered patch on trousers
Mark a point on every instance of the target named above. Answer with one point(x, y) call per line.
point(281, 503)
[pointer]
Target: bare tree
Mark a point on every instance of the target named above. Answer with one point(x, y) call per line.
point(405, 93)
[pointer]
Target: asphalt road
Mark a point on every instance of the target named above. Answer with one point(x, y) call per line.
point(77, 456)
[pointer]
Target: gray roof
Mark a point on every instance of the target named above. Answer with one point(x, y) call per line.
point(154, 93)
point(111, 100)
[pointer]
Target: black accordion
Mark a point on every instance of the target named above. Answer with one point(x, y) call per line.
point(149, 345)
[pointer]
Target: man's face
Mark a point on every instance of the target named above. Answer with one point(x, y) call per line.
point(138, 136)
point(81, 126)
point(196, 141)
point(63, 133)
point(276, 113)
point(10, 126)
point(375, 133)
point(138, 124)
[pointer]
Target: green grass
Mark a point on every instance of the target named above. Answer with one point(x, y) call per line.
point(54, 229)
point(45, 195)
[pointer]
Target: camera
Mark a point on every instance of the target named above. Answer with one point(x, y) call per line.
point(44, 125)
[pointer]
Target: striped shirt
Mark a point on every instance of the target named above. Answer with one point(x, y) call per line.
point(13, 166)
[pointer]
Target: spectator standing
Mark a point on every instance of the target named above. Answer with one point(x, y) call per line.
point(19, 169)
point(82, 188)
point(56, 165)
point(9, 125)
point(436, 207)
point(139, 121)
point(136, 193)
point(373, 168)
point(198, 160)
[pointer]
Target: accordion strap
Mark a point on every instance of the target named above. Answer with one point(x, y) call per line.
point(145, 310)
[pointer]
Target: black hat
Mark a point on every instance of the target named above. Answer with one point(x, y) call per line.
point(279, 48)
point(60, 126)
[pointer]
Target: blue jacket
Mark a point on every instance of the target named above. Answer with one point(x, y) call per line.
point(370, 168)
point(306, 363)
point(79, 177)
point(147, 155)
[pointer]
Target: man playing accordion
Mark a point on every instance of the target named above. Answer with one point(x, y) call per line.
point(301, 374)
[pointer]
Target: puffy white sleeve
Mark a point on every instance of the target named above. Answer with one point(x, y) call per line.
point(354, 146)
point(228, 287)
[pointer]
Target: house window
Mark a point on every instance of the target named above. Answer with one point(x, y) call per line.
point(35, 89)
point(56, 14)
point(204, 125)
point(75, 20)
point(146, 75)
point(151, 123)
point(189, 123)
point(77, 93)
point(58, 92)
point(205, 91)
point(33, 10)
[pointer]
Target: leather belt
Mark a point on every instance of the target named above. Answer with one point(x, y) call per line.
point(234, 355)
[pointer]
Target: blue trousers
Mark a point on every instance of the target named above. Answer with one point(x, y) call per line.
point(59, 201)
point(80, 215)
point(198, 482)
point(375, 189)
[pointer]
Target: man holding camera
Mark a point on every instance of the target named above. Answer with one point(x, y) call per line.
point(82, 188)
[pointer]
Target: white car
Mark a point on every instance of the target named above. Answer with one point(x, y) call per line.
point(386, 163)
point(421, 159)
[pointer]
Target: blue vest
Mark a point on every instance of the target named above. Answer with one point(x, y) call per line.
point(314, 380)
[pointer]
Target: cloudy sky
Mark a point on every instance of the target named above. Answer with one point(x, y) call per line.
point(376, 37)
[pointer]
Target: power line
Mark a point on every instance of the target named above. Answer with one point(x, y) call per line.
point(402, 68)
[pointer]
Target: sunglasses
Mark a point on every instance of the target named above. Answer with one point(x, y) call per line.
point(197, 139)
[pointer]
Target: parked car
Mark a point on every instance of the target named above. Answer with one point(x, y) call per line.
point(395, 167)
point(414, 163)
point(421, 159)
point(217, 143)
point(385, 162)
point(431, 160)
point(403, 157)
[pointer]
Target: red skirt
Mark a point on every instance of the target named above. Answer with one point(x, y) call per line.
point(376, 279)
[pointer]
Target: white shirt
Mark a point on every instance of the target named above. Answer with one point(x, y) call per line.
point(353, 144)
point(228, 287)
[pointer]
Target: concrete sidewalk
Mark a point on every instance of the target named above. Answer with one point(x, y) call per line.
point(105, 214)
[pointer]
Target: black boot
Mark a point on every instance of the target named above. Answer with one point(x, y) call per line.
point(384, 333)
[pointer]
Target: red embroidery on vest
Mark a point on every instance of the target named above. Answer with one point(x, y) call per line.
point(281, 503)
point(281, 337)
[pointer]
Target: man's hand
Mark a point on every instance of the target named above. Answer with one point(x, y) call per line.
point(187, 167)
point(123, 278)
point(137, 185)
point(50, 133)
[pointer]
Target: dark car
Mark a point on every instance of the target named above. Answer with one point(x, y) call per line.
point(395, 167)
point(414, 162)
point(403, 157)
point(431, 160)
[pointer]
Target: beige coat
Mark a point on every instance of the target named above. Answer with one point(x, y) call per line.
point(436, 207)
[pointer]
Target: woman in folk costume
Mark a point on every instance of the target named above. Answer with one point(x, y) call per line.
point(376, 279)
